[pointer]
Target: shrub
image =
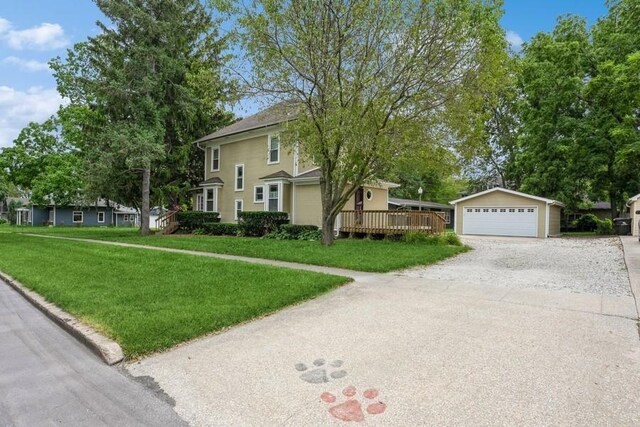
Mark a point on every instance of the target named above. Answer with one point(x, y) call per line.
point(587, 222)
point(191, 220)
point(429, 239)
point(221, 229)
point(3, 221)
point(260, 223)
point(295, 230)
point(452, 239)
point(604, 226)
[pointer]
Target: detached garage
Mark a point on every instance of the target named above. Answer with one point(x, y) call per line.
point(502, 212)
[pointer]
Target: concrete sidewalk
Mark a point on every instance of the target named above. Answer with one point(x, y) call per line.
point(632, 258)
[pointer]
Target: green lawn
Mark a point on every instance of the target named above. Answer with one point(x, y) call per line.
point(353, 254)
point(147, 300)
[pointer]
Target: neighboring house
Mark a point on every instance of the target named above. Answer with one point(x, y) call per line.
point(502, 212)
point(101, 213)
point(155, 213)
point(600, 209)
point(634, 212)
point(248, 169)
point(447, 211)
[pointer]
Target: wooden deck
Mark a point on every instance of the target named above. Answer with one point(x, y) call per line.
point(392, 222)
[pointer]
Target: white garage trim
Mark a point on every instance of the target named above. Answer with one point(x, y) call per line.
point(518, 220)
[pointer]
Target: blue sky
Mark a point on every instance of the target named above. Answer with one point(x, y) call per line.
point(34, 31)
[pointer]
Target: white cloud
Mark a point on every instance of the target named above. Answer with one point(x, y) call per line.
point(18, 108)
point(45, 36)
point(514, 40)
point(4, 25)
point(26, 64)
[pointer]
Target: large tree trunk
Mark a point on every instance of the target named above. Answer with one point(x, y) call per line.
point(613, 199)
point(328, 222)
point(146, 184)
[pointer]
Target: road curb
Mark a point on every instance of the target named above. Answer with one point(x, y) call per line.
point(108, 350)
point(631, 258)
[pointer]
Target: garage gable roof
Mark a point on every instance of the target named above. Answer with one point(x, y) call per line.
point(515, 193)
point(634, 198)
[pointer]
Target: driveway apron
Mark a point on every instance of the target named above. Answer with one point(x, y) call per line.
point(408, 349)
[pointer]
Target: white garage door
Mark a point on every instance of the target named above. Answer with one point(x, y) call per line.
point(501, 221)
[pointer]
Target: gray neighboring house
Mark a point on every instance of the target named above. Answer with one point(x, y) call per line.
point(102, 213)
point(424, 205)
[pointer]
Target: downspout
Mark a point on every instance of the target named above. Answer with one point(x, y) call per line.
point(55, 213)
point(293, 203)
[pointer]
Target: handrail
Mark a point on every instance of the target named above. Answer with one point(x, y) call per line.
point(166, 219)
point(392, 222)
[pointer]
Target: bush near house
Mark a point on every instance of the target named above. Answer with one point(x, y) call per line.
point(259, 223)
point(587, 222)
point(295, 232)
point(192, 220)
point(604, 226)
point(220, 229)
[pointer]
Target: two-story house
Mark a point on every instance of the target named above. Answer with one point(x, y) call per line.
point(248, 169)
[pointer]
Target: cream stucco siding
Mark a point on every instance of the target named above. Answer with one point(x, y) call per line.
point(308, 205)
point(253, 154)
point(499, 199)
point(554, 220)
point(378, 202)
point(633, 208)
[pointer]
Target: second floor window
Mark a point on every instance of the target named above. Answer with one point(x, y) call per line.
point(215, 159)
point(239, 177)
point(274, 149)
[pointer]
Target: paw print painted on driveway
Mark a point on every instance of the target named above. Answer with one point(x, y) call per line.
point(320, 372)
point(351, 409)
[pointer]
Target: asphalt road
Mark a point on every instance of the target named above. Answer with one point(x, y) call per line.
point(47, 378)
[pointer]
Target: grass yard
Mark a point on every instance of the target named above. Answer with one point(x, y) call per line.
point(147, 300)
point(354, 254)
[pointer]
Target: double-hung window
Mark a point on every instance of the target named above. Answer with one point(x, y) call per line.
point(215, 159)
point(274, 196)
point(101, 216)
point(211, 199)
point(274, 149)
point(258, 194)
point(78, 217)
point(238, 208)
point(239, 177)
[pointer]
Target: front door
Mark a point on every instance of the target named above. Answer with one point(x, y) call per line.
point(359, 198)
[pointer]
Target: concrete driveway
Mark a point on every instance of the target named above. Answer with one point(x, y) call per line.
point(448, 345)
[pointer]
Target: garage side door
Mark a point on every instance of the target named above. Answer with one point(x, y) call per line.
point(500, 221)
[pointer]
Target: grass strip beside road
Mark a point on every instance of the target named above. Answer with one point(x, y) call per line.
point(378, 256)
point(149, 301)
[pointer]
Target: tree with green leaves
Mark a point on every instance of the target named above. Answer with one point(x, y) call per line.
point(141, 91)
point(580, 109)
point(45, 164)
point(372, 79)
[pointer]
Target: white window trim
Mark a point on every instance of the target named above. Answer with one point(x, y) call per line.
point(205, 199)
point(280, 201)
point(104, 216)
point(199, 202)
point(73, 217)
point(269, 162)
point(255, 200)
point(244, 175)
point(235, 208)
point(215, 147)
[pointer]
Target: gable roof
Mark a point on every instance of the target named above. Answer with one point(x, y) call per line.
point(515, 193)
point(273, 115)
point(279, 174)
point(417, 203)
point(214, 180)
point(634, 198)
